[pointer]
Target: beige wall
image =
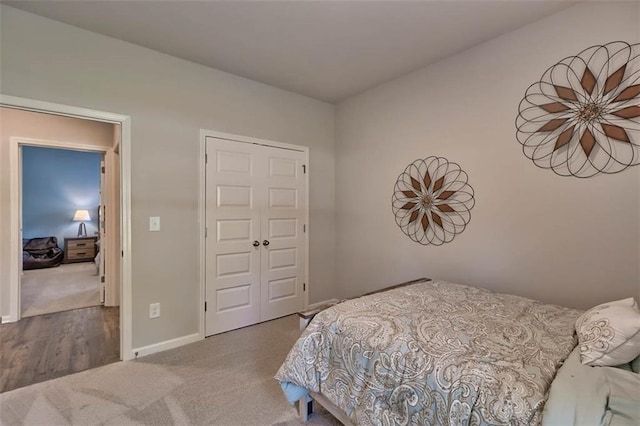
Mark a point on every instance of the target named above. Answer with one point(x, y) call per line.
point(48, 127)
point(169, 100)
point(562, 240)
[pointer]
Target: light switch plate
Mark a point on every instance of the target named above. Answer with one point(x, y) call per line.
point(154, 310)
point(154, 223)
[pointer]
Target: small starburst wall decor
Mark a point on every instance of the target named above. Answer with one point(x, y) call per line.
point(583, 117)
point(432, 201)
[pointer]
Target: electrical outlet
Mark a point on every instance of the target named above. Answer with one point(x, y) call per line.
point(154, 223)
point(154, 310)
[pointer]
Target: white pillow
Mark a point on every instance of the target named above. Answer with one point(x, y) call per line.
point(609, 334)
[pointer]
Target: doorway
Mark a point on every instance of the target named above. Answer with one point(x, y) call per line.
point(61, 195)
point(10, 223)
point(60, 183)
point(119, 264)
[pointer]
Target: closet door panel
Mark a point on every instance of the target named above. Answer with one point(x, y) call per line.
point(234, 187)
point(282, 260)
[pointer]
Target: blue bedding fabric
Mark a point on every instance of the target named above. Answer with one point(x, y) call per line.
point(293, 392)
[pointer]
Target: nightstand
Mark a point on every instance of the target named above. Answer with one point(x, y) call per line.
point(81, 249)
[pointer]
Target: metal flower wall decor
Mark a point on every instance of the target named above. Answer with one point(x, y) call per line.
point(583, 117)
point(432, 201)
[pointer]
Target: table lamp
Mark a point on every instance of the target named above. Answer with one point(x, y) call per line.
point(81, 216)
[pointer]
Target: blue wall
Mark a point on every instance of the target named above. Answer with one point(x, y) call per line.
point(55, 183)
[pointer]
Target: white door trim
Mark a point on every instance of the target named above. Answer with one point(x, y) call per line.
point(112, 221)
point(105, 246)
point(126, 352)
point(202, 209)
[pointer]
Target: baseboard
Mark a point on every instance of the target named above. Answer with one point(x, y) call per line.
point(191, 338)
point(324, 302)
point(7, 319)
point(166, 345)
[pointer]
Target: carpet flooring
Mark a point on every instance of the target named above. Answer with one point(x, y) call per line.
point(226, 379)
point(69, 286)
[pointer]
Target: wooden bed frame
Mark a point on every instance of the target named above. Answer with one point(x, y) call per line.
point(305, 404)
point(305, 407)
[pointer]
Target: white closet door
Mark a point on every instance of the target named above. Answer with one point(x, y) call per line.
point(283, 250)
point(234, 187)
point(256, 204)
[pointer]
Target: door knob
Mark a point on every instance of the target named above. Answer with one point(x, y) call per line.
point(265, 243)
point(256, 243)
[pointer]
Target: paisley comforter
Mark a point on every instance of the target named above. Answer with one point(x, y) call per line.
point(434, 353)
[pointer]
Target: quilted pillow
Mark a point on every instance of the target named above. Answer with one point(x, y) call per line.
point(609, 334)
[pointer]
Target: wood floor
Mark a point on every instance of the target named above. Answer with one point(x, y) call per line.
point(47, 346)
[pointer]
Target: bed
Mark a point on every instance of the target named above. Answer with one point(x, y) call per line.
point(435, 352)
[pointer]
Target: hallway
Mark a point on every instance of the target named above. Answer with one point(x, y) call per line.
point(44, 347)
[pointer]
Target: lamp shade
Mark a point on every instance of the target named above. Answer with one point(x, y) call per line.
point(81, 215)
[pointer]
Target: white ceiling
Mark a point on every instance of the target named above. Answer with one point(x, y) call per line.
point(328, 50)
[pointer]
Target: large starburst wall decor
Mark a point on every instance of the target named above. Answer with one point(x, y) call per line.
point(432, 201)
point(583, 117)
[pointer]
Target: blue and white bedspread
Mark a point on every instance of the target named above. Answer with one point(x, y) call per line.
point(434, 353)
